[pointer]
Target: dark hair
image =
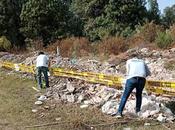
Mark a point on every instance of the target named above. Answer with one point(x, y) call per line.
point(40, 53)
point(134, 55)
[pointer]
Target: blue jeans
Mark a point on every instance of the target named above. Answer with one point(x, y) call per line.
point(135, 82)
point(39, 72)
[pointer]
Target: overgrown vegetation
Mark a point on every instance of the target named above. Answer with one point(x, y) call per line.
point(23, 22)
point(5, 44)
point(163, 40)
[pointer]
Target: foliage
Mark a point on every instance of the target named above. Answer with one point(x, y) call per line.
point(103, 18)
point(172, 31)
point(48, 20)
point(169, 16)
point(5, 44)
point(163, 40)
point(10, 21)
point(153, 12)
point(148, 31)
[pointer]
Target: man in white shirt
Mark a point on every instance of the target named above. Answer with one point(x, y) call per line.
point(137, 71)
point(42, 64)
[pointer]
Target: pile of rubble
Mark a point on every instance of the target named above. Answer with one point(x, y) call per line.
point(105, 98)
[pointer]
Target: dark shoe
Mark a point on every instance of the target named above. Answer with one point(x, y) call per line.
point(47, 86)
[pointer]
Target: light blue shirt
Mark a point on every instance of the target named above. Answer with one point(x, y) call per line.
point(136, 68)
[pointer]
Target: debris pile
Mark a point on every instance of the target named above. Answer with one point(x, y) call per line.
point(107, 99)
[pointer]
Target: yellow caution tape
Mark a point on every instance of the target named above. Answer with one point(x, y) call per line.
point(158, 87)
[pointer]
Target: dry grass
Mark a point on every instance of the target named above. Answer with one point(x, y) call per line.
point(149, 31)
point(71, 47)
point(17, 100)
point(112, 45)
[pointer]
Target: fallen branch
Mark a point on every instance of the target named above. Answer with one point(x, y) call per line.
point(106, 124)
point(47, 124)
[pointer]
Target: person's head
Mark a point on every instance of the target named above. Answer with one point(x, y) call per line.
point(134, 55)
point(41, 53)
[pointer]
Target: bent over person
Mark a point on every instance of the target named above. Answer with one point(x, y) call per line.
point(136, 71)
point(42, 64)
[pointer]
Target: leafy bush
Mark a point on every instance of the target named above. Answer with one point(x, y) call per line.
point(163, 40)
point(5, 44)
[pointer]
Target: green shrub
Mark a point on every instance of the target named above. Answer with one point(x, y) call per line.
point(5, 44)
point(163, 40)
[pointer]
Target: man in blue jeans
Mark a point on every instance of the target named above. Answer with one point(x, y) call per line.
point(137, 71)
point(42, 64)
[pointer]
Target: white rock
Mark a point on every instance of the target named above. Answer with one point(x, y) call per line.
point(144, 50)
point(145, 114)
point(38, 103)
point(147, 124)
point(42, 98)
point(84, 106)
point(161, 118)
point(87, 102)
point(70, 87)
point(80, 98)
point(58, 118)
point(172, 49)
point(110, 107)
point(34, 110)
point(71, 98)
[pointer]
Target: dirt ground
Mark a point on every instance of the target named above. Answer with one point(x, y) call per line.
point(17, 101)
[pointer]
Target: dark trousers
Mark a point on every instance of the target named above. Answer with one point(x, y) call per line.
point(135, 82)
point(39, 72)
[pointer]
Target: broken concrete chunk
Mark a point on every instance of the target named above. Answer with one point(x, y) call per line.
point(161, 118)
point(38, 103)
point(84, 106)
point(110, 107)
point(42, 98)
point(71, 98)
point(34, 110)
point(70, 87)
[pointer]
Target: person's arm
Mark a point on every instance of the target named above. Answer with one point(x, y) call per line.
point(147, 70)
point(127, 67)
point(48, 62)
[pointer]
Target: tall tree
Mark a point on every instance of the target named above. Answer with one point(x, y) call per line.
point(169, 16)
point(10, 21)
point(47, 19)
point(153, 11)
point(103, 18)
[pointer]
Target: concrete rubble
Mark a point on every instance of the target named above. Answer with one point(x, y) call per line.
point(105, 98)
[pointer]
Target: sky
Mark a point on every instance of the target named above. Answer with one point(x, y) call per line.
point(164, 3)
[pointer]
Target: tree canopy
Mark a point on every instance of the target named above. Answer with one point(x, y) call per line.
point(94, 19)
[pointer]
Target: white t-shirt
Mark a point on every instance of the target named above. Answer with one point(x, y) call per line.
point(42, 60)
point(136, 68)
